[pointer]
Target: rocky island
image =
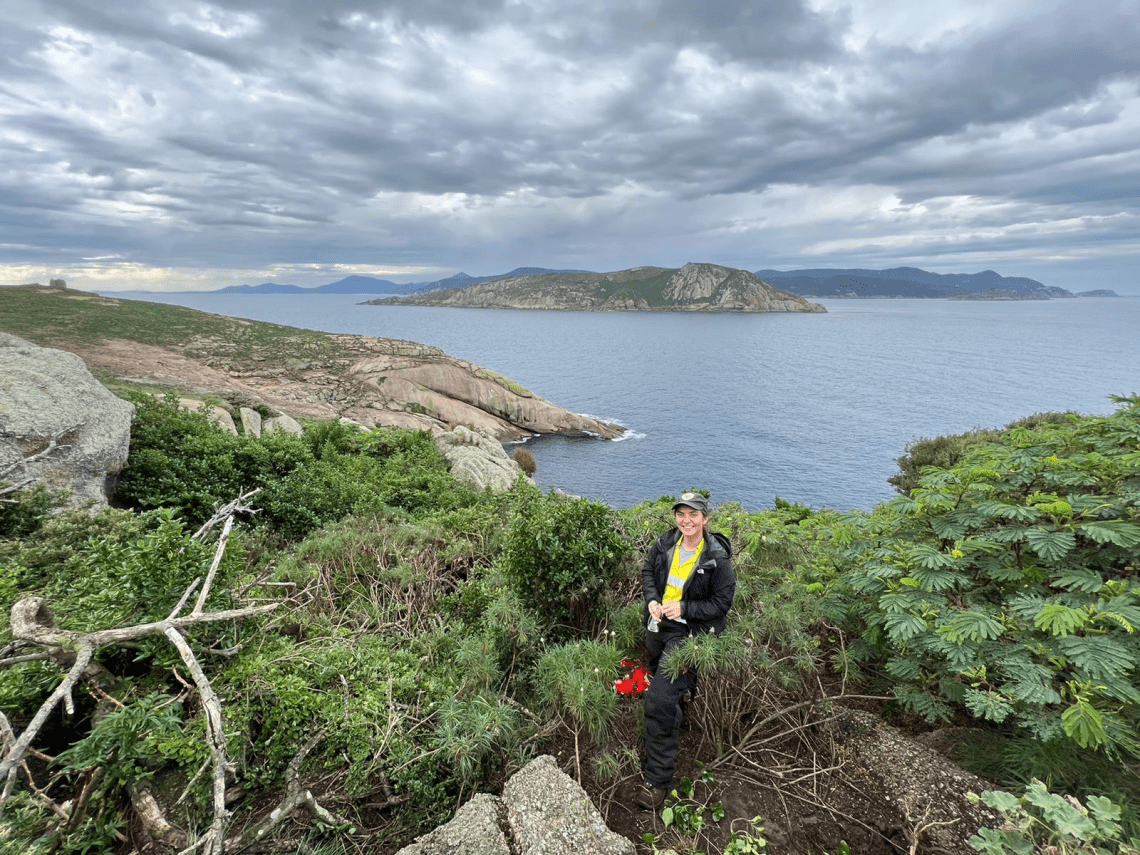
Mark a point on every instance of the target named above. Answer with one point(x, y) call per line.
point(692, 288)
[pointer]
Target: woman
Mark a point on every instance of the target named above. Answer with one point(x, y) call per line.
point(688, 586)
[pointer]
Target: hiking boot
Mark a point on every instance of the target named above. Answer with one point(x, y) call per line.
point(650, 797)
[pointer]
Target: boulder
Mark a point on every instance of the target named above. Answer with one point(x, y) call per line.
point(474, 830)
point(477, 459)
point(222, 418)
point(59, 426)
point(250, 422)
point(549, 814)
point(282, 424)
point(542, 812)
point(925, 787)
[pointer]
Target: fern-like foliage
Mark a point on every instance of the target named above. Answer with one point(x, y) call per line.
point(1012, 573)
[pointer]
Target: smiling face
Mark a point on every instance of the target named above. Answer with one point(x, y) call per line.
point(690, 521)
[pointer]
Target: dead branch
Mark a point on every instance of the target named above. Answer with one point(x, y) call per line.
point(79, 808)
point(216, 738)
point(28, 624)
point(85, 650)
point(226, 510)
point(182, 600)
point(745, 741)
point(226, 652)
point(293, 770)
point(292, 802)
point(31, 657)
point(46, 800)
point(226, 529)
point(9, 739)
point(157, 826)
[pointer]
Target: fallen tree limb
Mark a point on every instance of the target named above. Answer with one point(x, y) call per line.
point(84, 651)
point(216, 738)
point(28, 624)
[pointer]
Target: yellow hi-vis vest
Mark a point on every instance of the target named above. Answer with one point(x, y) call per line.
point(679, 574)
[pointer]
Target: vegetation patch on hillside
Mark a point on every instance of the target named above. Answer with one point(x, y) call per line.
point(389, 643)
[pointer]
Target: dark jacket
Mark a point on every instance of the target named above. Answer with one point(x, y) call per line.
point(708, 592)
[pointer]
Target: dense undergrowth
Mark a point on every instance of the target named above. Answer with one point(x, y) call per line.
point(430, 639)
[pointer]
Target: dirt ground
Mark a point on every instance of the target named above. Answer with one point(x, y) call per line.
point(805, 805)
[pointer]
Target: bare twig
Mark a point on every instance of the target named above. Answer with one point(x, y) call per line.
point(216, 738)
point(85, 651)
point(226, 511)
point(44, 798)
point(218, 553)
point(922, 824)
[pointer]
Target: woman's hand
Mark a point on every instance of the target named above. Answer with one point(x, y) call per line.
point(671, 610)
point(655, 610)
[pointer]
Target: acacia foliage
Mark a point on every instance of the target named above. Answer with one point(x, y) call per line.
point(1007, 585)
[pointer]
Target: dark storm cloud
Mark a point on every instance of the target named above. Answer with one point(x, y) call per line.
point(235, 133)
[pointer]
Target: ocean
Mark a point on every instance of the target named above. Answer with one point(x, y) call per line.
point(812, 408)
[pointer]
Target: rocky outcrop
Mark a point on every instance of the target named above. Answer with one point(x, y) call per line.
point(541, 812)
point(446, 392)
point(923, 786)
point(282, 424)
point(692, 288)
point(373, 382)
point(59, 426)
point(250, 421)
point(478, 459)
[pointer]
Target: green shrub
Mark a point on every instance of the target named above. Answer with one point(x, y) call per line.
point(24, 512)
point(561, 555)
point(945, 452)
point(180, 460)
point(1006, 585)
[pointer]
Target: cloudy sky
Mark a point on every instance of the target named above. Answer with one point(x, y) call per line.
point(173, 145)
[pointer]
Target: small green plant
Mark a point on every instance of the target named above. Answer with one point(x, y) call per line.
point(1044, 821)
point(751, 840)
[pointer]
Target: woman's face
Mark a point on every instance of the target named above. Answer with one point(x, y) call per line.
point(690, 521)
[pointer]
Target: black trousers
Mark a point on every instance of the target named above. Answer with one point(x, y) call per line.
point(663, 699)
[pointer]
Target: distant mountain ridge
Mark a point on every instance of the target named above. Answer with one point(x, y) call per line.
point(372, 285)
point(807, 282)
point(914, 282)
point(348, 285)
point(692, 288)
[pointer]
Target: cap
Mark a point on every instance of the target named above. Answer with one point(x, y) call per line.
point(693, 500)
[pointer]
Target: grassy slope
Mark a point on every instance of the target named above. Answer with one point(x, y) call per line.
point(58, 318)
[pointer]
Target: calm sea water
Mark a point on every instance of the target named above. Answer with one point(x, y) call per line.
point(812, 408)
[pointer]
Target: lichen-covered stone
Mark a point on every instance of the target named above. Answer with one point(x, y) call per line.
point(59, 426)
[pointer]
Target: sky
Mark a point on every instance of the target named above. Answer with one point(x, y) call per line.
point(174, 145)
